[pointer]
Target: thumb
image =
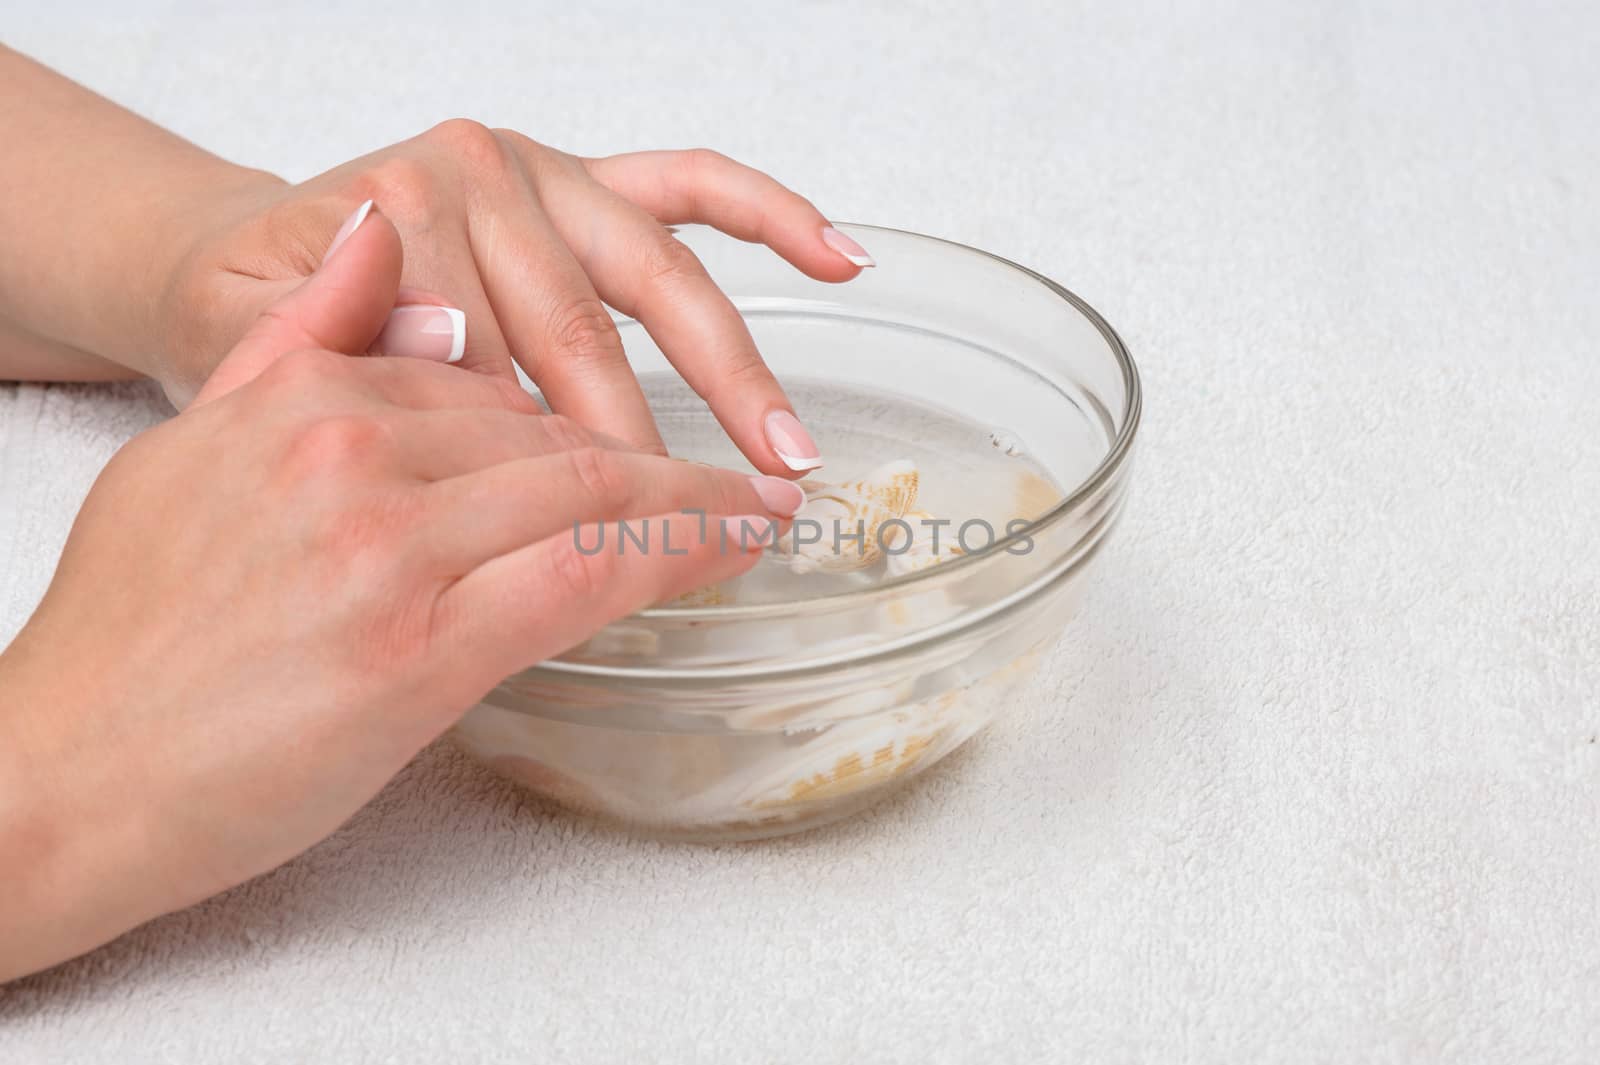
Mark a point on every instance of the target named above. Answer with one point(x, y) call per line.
point(341, 307)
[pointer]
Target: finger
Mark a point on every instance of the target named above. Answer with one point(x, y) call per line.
point(498, 509)
point(417, 384)
point(642, 271)
point(341, 307)
point(704, 186)
point(423, 325)
point(541, 599)
point(435, 444)
point(423, 331)
point(559, 331)
point(437, 332)
point(443, 263)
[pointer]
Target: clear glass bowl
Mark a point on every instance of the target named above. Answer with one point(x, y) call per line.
point(747, 721)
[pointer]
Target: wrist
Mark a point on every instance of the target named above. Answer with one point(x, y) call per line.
point(98, 212)
point(99, 284)
point(70, 848)
point(172, 338)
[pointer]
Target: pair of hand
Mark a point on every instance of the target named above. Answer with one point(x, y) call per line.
point(273, 601)
point(526, 246)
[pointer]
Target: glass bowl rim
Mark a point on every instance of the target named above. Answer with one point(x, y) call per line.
point(1114, 457)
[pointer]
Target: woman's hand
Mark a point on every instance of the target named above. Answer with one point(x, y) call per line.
point(164, 268)
point(270, 603)
point(531, 244)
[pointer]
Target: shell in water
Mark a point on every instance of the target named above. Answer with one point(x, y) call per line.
point(930, 543)
point(834, 515)
point(867, 753)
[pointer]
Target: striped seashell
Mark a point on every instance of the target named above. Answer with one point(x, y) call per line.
point(841, 511)
point(865, 754)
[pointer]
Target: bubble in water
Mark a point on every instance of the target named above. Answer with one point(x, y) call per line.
point(1005, 442)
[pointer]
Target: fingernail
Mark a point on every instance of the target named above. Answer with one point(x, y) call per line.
point(349, 227)
point(791, 442)
point(749, 532)
point(847, 247)
point(424, 331)
point(783, 498)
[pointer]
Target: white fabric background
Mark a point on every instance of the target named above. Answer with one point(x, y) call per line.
point(1315, 774)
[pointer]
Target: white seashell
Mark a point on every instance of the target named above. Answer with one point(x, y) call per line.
point(847, 518)
point(930, 543)
point(874, 750)
point(698, 782)
point(866, 753)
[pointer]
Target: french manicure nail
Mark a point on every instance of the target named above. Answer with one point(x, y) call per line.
point(424, 331)
point(791, 443)
point(349, 227)
point(748, 532)
point(783, 498)
point(847, 247)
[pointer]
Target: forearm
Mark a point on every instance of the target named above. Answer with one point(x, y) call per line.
point(26, 356)
point(55, 837)
point(97, 207)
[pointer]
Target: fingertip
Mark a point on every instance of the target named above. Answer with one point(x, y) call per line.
point(424, 331)
point(826, 267)
point(820, 251)
point(781, 497)
point(346, 229)
point(367, 247)
point(847, 248)
point(791, 444)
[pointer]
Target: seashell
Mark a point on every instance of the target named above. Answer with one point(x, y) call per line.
point(842, 512)
point(851, 758)
point(704, 783)
point(930, 544)
point(865, 754)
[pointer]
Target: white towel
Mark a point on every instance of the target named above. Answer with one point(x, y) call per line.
point(1313, 777)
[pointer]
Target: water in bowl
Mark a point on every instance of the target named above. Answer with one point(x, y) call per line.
point(973, 479)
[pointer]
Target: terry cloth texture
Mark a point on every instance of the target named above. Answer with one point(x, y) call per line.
point(1312, 777)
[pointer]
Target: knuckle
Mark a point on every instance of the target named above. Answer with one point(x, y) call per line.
point(403, 186)
point(332, 444)
point(747, 370)
point(535, 156)
point(585, 329)
point(701, 161)
point(518, 138)
point(578, 575)
point(516, 397)
point(564, 434)
point(342, 436)
point(730, 493)
point(671, 262)
point(469, 141)
point(745, 375)
point(599, 474)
